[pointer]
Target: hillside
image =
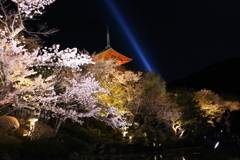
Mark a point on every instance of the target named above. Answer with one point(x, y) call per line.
point(221, 77)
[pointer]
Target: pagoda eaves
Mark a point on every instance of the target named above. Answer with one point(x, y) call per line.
point(110, 53)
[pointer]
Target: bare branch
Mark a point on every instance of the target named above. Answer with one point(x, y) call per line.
point(43, 30)
point(13, 19)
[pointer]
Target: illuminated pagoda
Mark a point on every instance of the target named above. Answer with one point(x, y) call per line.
point(110, 53)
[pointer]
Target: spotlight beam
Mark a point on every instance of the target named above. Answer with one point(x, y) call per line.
point(128, 33)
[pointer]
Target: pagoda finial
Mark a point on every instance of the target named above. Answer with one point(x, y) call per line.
point(108, 38)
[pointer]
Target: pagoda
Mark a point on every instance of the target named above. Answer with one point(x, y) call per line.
point(110, 53)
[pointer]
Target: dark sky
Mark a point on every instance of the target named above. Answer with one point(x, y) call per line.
point(177, 37)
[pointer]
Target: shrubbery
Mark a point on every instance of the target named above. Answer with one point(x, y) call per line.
point(9, 142)
point(44, 149)
point(77, 145)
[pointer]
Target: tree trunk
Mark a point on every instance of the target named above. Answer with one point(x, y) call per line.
point(57, 128)
point(6, 76)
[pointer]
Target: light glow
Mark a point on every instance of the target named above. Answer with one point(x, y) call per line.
point(128, 33)
point(216, 145)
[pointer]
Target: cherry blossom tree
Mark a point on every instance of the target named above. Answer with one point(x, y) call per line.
point(30, 8)
point(20, 83)
point(77, 97)
point(12, 18)
point(65, 96)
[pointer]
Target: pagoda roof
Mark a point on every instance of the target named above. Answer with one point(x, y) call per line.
point(110, 53)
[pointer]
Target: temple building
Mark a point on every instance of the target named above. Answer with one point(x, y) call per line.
point(110, 53)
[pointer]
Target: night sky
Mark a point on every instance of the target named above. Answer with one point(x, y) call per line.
point(176, 37)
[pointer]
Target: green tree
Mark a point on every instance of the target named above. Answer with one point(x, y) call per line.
point(209, 102)
point(192, 118)
point(120, 83)
point(151, 100)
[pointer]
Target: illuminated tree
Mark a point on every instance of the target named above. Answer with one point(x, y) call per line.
point(67, 93)
point(17, 84)
point(12, 19)
point(77, 96)
point(120, 83)
point(125, 83)
point(103, 70)
point(15, 61)
point(232, 105)
point(209, 102)
point(216, 108)
point(171, 115)
point(192, 118)
point(153, 100)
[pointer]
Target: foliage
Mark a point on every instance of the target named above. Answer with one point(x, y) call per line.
point(179, 143)
point(44, 149)
point(73, 130)
point(77, 145)
point(209, 102)
point(192, 117)
point(21, 84)
point(200, 108)
point(10, 143)
point(67, 85)
point(106, 132)
point(66, 96)
point(77, 97)
point(232, 105)
point(151, 101)
point(13, 19)
point(215, 107)
point(120, 83)
point(42, 130)
point(150, 136)
point(30, 8)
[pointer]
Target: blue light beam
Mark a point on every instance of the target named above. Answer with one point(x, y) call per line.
point(128, 33)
